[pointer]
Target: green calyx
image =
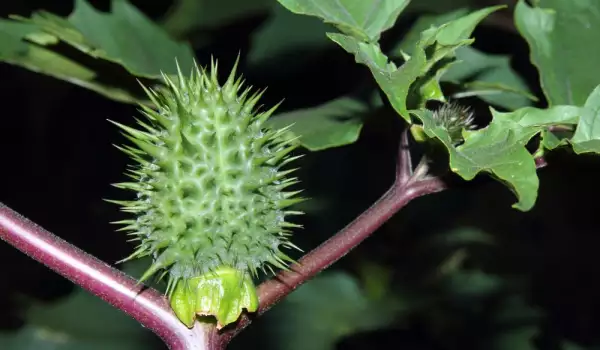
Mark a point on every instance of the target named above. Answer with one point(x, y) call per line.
point(211, 192)
point(223, 293)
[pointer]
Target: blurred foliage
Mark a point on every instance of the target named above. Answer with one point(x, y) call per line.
point(320, 313)
point(79, 321)
point(458, 270)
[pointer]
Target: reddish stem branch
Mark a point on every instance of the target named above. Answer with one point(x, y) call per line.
point(336, 247)
point(151, 309)
point(407, 186)
point(147, 306)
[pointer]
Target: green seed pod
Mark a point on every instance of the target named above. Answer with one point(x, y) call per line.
point(211, 194)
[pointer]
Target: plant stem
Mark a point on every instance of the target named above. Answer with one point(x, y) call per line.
point(408, 185)
point(151, 308)
point(342, 243)
point(146, 305)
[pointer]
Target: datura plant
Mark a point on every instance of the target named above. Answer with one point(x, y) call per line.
point(211, 193)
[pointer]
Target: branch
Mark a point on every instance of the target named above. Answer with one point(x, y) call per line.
point(343, 242)
point(152, 310)
point(408, 185)
point(146, 305)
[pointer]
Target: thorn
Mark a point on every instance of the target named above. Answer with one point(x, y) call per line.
point(134, 132)
point(290, 225)
point(137, 254)
point(135, 186)
point(293, 246)
point(154, 268)
point(150, 129)
point(291, 159)
point(289, 202)
point(262, 118)
point(287, 183)
point(180, 74)
point(231, 79)
point(282, 174)
point(123, 222)
point(152, 95)
point(214, 66)
point(278, 156)
point(122, 203)
point(149, 148)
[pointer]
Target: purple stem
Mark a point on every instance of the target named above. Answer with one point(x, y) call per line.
point(147, 305)
point(408, 185)
point(342, 243)
point(152, 310)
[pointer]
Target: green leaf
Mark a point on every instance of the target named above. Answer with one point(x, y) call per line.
point(457, 31)
point(440, 7)
point(517, 324)
point(499, 149)
point(286, 32)
point(322, 311)
point(516, 339)
point(587, 134)
point(17, 51)
point(395, 82)
point(361, 19)
point(430, 57)
point(124, 36)
point(410, 39)
point(333, 124)
point(189, 15)
point(563, 39)
point(79, 321)
point(490, 77)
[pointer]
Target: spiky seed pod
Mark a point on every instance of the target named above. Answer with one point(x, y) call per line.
point(211, 194)
point(454, 117)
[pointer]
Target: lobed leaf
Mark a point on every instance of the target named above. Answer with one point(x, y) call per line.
point(124, 36)
point(499, 148)
point(332, 124)
point(24, 53)
point(361, 19)
point(563, 39)
point(186, 16)
point(429, 59)
point(587, 134)
point(285, 32)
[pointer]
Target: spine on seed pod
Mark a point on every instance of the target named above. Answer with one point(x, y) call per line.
point(212, 194)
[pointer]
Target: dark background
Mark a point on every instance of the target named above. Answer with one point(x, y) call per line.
point(58, 163)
